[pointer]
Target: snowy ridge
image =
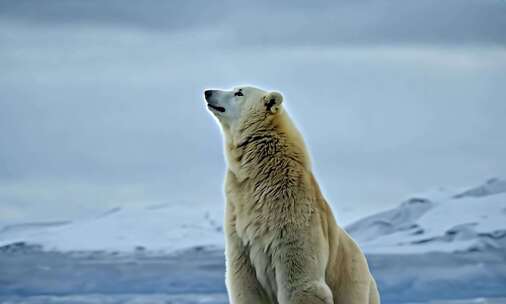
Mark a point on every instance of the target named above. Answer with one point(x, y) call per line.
point(439, 221)
point(163, 227)
point(472, 219)
point(492, 186)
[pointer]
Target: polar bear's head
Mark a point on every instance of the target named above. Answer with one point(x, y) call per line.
point(235, 107)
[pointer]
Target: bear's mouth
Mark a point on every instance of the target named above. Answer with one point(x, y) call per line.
point(217, 108)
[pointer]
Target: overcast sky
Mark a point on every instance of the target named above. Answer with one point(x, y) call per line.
point(101, 101)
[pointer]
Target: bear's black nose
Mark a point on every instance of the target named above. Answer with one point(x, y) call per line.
point(208, 93)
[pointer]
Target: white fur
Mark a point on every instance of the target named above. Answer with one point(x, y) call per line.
point(282, 242)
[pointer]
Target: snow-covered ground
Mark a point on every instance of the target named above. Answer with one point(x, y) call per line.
point(473, 219)
point(442, 244)
point(161, 228)
point(437, 246)
point(442, 220)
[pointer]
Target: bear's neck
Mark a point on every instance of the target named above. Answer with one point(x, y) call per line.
point(262, 151)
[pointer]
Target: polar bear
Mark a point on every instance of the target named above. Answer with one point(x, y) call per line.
point(282, 242)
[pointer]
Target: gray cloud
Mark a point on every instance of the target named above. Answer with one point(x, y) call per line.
point(146, 14)
point(104, 109)
point(453, 22)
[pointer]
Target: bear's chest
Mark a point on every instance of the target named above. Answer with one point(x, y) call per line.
point(254, 221)
point(255, 225)
point(258, 231)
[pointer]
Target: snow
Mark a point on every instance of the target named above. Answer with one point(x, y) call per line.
point(441, 220)
point(165, 227)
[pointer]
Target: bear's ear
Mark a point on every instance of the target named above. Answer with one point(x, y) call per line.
point(272, 102)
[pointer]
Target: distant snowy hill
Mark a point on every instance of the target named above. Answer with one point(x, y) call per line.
point(465, 220)
point(165, 227)
point(440, 221)
point(444, 244)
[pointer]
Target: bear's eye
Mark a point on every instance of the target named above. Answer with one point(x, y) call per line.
point(238, 93)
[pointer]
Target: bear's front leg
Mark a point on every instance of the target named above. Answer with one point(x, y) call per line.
point(301, 260)
point(242, 284)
